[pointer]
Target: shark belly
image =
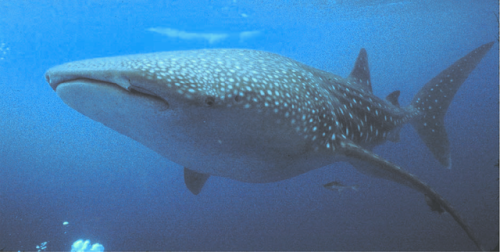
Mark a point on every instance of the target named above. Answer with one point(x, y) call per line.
point(245, 146)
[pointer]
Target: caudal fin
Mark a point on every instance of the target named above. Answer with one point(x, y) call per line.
point(435, 97)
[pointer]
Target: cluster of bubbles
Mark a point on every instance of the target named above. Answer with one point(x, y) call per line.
point(78, 246)
point(84, 246)
point(41, 247)
point(4, 49)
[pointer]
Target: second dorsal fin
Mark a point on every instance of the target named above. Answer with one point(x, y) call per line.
point(361, 73)
point(393, 98)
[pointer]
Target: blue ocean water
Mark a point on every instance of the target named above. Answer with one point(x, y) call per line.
point(57, 166)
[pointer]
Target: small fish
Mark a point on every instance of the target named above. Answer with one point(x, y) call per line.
point(338, 186)
point(433, 205)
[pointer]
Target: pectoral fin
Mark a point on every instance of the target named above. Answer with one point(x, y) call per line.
point(194, 180)
point(372, 164)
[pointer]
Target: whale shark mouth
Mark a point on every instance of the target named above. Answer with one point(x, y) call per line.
point(86, 90)
point(63, 82)
point(62, 78)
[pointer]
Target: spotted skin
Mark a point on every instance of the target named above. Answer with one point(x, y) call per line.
point(259, 117)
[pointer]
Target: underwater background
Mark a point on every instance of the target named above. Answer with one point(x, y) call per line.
point(64, 177)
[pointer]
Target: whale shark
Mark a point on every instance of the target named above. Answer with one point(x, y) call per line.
point(259, 117)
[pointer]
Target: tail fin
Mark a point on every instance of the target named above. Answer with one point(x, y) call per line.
point(435, 97)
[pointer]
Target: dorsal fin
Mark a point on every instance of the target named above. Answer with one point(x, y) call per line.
point(361, 72)
point(194, 180)
point(393, 98)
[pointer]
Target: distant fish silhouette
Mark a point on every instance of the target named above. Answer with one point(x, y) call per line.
point(339, 187)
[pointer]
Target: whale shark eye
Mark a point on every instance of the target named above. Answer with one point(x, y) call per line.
point(210, 100)
point(237, 98)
